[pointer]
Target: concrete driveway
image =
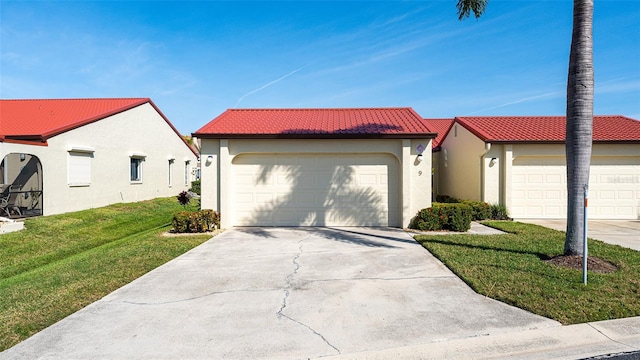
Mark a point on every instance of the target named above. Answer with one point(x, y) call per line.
point(282, 293)
point(618, 232)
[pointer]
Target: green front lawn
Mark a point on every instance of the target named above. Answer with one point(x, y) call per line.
point(62, 263)
point(510, 268)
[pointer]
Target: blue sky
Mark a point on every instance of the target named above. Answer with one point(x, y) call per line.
point(197, 59)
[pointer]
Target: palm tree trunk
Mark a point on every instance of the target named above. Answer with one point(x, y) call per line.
point(579, 122)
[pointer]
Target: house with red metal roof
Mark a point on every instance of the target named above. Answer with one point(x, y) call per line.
point(519, 162)
point(61, 155)
point(316, 167)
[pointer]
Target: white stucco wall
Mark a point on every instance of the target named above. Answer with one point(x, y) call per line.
point(140, 130)
point(217, 179)
point(491, 174)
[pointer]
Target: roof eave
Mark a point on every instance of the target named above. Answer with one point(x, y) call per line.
point(632, 141)
point(316, 136)
point(25, 140)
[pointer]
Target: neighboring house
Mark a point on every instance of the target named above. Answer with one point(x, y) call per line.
point(316, 167)
point(519, 162)
point(71, 154)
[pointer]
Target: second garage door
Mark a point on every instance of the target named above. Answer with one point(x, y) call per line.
point(316, 190)
point(539, 188)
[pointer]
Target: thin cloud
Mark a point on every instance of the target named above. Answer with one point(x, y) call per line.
point(267, 85)
point(519, 101)
point(617, 86)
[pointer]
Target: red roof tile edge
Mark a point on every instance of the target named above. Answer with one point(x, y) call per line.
point(41, 139)
point(468, 123)
point(204, 131)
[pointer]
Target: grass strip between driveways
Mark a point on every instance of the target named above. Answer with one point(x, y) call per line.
point(510, 268)
point(62, 263)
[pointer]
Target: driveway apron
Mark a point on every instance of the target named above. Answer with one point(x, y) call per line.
point(281, 293)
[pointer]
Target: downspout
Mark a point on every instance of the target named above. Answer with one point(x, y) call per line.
point(487, 148)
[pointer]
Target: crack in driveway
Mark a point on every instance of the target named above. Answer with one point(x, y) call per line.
point(287, 293)
point(196, 297)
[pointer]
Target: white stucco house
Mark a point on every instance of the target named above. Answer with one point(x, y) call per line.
point(316, 167)
point(66, 155)
point(520, 162)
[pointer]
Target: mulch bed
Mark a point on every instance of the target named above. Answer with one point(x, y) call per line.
point(575, 262)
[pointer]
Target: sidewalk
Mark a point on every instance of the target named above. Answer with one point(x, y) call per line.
point(563, 343)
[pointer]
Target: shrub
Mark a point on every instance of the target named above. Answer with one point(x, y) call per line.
point(459, 217)
point(499, 212)
point(181, 222)
point(446, 199)
point(195, 187)
point(195, 221)
point(443, 216)
point(481, 210)
point(183, 198)
point(426, 220)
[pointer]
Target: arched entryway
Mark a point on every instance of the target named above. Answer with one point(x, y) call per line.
point(21, 185)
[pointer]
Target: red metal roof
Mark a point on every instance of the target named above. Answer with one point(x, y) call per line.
point(43, 118)
point(442, 127)
point(316, 123)
point(33, 121)
point(609, 128)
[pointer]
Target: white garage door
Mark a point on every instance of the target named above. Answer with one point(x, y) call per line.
point(539, 188)
point(316, 190)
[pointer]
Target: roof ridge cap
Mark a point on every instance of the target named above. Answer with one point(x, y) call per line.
point(323, 108)
point(60, 99)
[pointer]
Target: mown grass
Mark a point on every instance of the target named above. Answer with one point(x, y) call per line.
point(510, 268)
point(62, 263)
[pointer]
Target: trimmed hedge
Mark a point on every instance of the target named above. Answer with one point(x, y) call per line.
point(443, 216)
point(481, 209)
point(195, 187)
point(195, 221)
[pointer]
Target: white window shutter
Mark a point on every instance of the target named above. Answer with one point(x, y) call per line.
point(79, 169)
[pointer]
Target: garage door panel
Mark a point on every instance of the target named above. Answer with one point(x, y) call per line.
point(614, 188)
point(553, 179)
point(316, 190)
point(535, 179)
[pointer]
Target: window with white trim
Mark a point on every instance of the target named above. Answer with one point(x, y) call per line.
point(171, 172)
point(79, 167)
point(186, 172)
point(136, 169)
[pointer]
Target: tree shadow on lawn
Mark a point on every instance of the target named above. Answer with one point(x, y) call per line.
point(539, 255)
point(595, 264)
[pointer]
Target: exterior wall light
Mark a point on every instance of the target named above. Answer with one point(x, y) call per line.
point(492, 162)
point(419, 158)
point(209, 160)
